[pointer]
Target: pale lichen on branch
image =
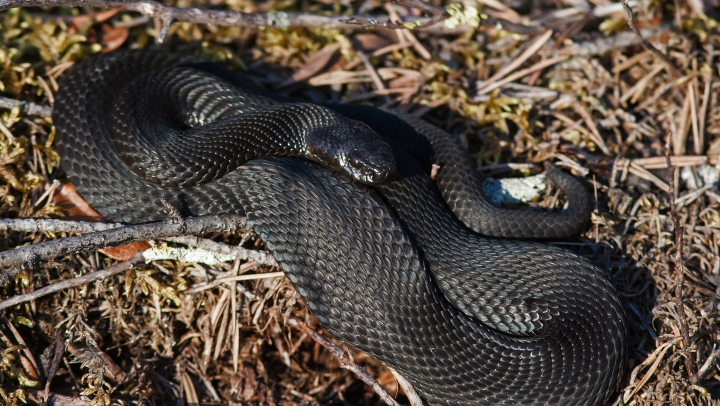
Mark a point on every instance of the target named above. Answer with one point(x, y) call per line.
point(25, 257)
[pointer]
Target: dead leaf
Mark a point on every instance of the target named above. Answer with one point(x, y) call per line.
point(412, 79)
point(369, 42)
point(74, 206)
point(315, 64)
point(387, 380)
point(112, 38)
point(99, 17)
point(77, 209)
point(125, 251)
point(249, 384)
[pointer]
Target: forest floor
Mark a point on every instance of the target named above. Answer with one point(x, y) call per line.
point(587, 95)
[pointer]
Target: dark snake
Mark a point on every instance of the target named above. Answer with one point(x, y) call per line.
point(372, 244)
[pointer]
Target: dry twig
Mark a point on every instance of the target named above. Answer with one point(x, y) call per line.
point(438, 14)
point(57, 357)
point(633, 26)
point(281, 19)
point(260, 257)
point(53, 225)
point(679, 271)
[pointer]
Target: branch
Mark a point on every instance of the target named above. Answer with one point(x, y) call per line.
point(26, 257)
point(52, 225)
point(346, 361)
point(633, 26)
point(71, 283)
point(438, 14)
point(278, 19)
point(57, 357)
point(26, 107)
point(261, 257)
point(709, 363)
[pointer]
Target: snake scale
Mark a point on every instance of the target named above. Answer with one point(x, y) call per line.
point(384, 257)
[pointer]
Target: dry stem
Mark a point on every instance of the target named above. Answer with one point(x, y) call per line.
point(679, 271)
point(633, 26)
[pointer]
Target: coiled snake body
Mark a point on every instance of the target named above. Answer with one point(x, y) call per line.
point(389, 268)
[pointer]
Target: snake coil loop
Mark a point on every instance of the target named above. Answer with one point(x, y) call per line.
point(467, 318)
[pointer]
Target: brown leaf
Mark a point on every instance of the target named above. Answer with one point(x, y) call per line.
point(250, 384)
point(314, 65)
point(77, 209)
point(408, 80)
point(369, 42)
point(125, 251)
point(99, 17)
point(74, 206)
point(112, 38)
point(388, 381)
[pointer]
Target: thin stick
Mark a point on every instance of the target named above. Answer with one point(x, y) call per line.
point(57, 357)
point(679, 271)
point(659, 162)
point(532, 49)
point(27, 360)
point(650, 47)
point(71, 283)
point(220, 281)
point(709, 363)
point(517, 75)
point(346, 361)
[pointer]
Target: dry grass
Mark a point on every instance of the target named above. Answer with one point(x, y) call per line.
point(590, 96)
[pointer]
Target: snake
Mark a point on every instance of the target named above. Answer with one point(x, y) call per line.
point(460, 297)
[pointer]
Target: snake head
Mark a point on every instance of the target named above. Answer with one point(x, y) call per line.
point(351, 147)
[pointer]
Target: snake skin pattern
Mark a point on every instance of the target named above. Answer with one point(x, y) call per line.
point(389, 269)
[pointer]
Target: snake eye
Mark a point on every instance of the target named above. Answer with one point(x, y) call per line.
point(354, 157)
